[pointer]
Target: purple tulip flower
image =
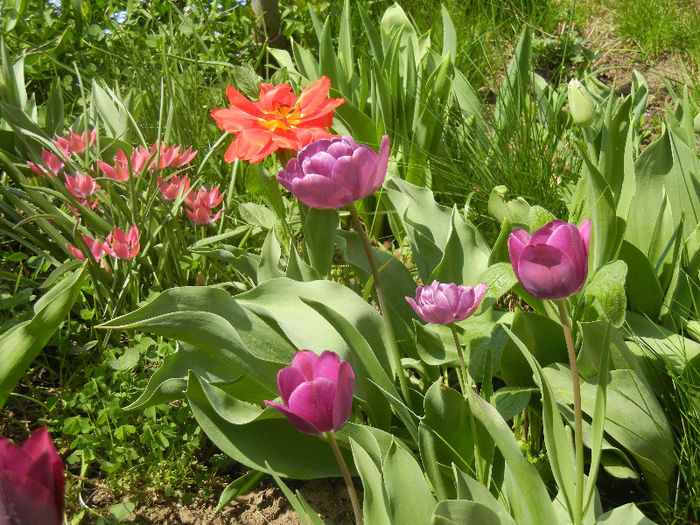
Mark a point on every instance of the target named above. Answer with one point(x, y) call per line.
point(316, 391)
point(445, 303)
point(553, 263)
point(32, 483)
point(332, 173)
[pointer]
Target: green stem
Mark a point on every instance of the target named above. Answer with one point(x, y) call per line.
point(394, 350)
point(348, 480)
point(467, 383)
point(578, 417)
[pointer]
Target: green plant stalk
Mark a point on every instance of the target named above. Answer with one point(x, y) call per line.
point(356, 508)
point(467, 383)
point(394, 350)
point(578, 417)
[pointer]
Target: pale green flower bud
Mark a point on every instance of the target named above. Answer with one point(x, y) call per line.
point(580, 104)
point(696, 123)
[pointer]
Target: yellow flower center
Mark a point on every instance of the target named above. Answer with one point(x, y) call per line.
point(288, 120)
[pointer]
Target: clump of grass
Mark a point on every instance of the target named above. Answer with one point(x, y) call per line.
point(658, 26)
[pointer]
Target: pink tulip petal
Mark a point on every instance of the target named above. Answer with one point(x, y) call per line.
point(327, 365)
point(288, 379)
point(313, 400)
point(547, 272)
point(301, 424)
point(305, 362)
point(342, 404)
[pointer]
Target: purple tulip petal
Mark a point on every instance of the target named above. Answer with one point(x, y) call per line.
point(568, 239)
point(542, 235)
point(327, 365)
point(342, 405)
point(321, 163)
point(340, 148)
point(381, 167)
point(517, 241)
point(321, 192)
point(466, 301)
point(547, 272)
point(415, 306)
point(314, 147)
point(436, 315)
point(365, 161)
point(288, 379)
point(301, 424)
point(585, 230)
point(26, 500)
point(313, 401)
point(305, 361)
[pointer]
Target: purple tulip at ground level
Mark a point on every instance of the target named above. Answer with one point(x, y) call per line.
point(553, 262)
point(316, 391)
point(445, 303)
point(32, 482)
point(332, 173)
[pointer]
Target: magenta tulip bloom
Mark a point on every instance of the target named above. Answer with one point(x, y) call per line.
point(200, 205)
point(332, 173)
point(445, 303)
point(32, 482)
point(316, 391)
point(553, 263)
point(81, 186)
point(52, 165)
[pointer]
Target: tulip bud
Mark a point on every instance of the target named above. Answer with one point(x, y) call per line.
point(32, 482)
point(580, 104)
point(553, 262)
point(444, 303)
point(316, 391)
point(696, 123)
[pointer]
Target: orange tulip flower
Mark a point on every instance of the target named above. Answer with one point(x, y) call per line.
point(278, 120)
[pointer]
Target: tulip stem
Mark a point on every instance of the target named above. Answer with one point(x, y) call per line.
point(394, 350)
point(578, 417)
point(354, 500)
point(467, 383)
point(466, 380)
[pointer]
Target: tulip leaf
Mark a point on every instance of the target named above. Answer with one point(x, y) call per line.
point(530, 507)
point(20, 345)
point(646, 299)
point(269, 266)
point(557, 439)
point(375, 501)
point(319, 227)
point(627, 514)
point(544, 340)
point(457, 512)
point(444, 437)
point(238, 487)
point(605, 293)
point(633, 418)
point(409, 495)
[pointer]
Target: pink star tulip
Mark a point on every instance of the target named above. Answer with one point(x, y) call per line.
point(123, 245)
point(170, 189)
point(170, 157)
point(332, 173)
point(553, 262)
point(81, 186)
point(316, 391)
point(97, 248)
point(445, 303)
point(50, 167)
point(75, 142)
point(200, 206)
point(32, 481)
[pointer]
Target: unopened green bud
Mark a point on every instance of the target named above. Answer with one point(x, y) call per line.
point(580, 104)
point(696, 123)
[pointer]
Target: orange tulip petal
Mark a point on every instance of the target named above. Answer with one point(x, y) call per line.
point(238, 100)
point(233, 120)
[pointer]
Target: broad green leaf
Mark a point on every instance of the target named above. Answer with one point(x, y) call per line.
point(449, 36)
point(298, 503)
point(470, 489)
point(544, 340)
point(257, 215)
point(445, 437)
point(457, 512)
point(532, 506)
point(634, 419)
point(627, 514)
point(269, 266)
point(605, 293)
point(269, 444)
point(319, 227)
point(410, 498)
point(238, 487)
point(644, 291)
point(20, 345)
point(375, 502)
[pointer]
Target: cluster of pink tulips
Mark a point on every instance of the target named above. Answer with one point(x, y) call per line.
point(118, 244)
